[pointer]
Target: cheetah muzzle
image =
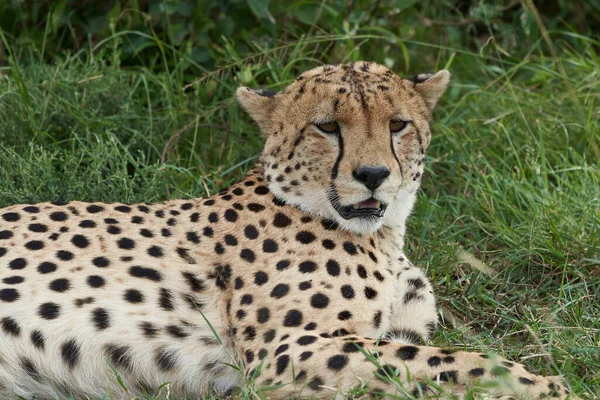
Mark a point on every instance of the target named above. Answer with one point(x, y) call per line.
point(293, 275)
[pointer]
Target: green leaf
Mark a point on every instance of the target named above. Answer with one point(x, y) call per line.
point(260, 8)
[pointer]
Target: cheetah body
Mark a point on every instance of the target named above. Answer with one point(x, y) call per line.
point(267, 275)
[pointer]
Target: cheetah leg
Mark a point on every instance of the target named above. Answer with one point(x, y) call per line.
point(313, 366)
point(414, 313)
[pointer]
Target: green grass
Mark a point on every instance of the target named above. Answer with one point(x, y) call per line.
point(513, 177)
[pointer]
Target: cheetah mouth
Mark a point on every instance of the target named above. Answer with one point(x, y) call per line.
point(367, 208)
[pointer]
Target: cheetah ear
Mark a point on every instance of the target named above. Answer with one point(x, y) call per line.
point(432, 86)
point(259, 104)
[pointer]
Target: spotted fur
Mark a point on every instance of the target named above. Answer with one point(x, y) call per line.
point(296, 293)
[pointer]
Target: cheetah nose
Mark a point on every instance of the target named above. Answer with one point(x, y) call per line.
point(371, 176)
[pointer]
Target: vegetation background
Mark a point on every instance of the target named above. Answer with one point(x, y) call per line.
point(133, 101)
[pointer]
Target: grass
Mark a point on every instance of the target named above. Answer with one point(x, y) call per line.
point(508, 218)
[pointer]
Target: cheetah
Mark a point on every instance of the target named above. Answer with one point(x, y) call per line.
point(293, 279)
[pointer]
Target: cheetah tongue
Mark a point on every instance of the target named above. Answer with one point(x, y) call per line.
point(371, 203)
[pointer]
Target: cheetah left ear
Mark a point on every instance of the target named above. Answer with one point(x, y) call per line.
point(432, 86)
point(259, 104)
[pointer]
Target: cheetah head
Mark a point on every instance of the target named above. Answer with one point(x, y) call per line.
point(347, 142)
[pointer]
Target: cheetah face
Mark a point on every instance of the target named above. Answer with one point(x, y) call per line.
point(347, 142)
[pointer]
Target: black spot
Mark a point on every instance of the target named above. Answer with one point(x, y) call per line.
point(10, 326)
point(209, 202)
point(230, 240)
point(6, 234)
point(80, 241)
point(281, 349)
point(307, 267)
point(58, 216)
point(60, 285)
point(9, 295)
point(435, 361)
point(405, 335)
point(231, 215)
point(119, 356)
point(38, 340)
point(333, 268)
point(100, 262)
point(263, 315)
point(123, 209)
point(305, 285)
point(219, 249)
point(347, 292)
point(305, 237)
point(344, 315)
point(38, 228)
point(407, 352)
point(447, 376)
point(148, 329)
point(2, 251)
point(248, 255)
point(249, 333)
point(251, 232)
point(255, 207)
point(125, 243)
point(17, 263)
point(176, 331)
point(352, 347)
point(261, 190)
point(319, 300)
point(70, 353)
point(270, 246)
point(283, 264)
point(281, 220)
point(31, 209)
point(292, 318)
point(49, 310)
point(246, 299)
point(13, 280)
point(165, 300)
point(192, 237)
point(165, 360)
point(222, 275)
point(30, 369)
point(133, 296)
point(377, 319)
point(478, 372)
point(196, 284)
point(280, 290)
point(306, 340)
point(328, 244)
point(350, 248)
point(370, 293)
point(147, 273)
point(86, 223)
point(282, 363)
point(238, 283)
point(64, 255)
point(146, 233)
point(95, 281)
point(208, 231)
point(337, 362)
point(378, 276)
point(101, 318)
point(113, 230)
point(306, 355)
point(34, 245)
point(269, 335)
point(155, 251)
point(260, 278)
point(522, 379)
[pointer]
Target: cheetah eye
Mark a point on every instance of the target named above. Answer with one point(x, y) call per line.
point(328, 127)
point(397, 125)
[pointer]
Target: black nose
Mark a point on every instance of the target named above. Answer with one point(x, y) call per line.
point(371, 177)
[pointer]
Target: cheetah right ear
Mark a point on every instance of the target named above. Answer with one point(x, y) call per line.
point(259, 104)
point(432, 86)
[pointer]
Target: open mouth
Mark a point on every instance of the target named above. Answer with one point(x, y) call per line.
point(367, 208)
